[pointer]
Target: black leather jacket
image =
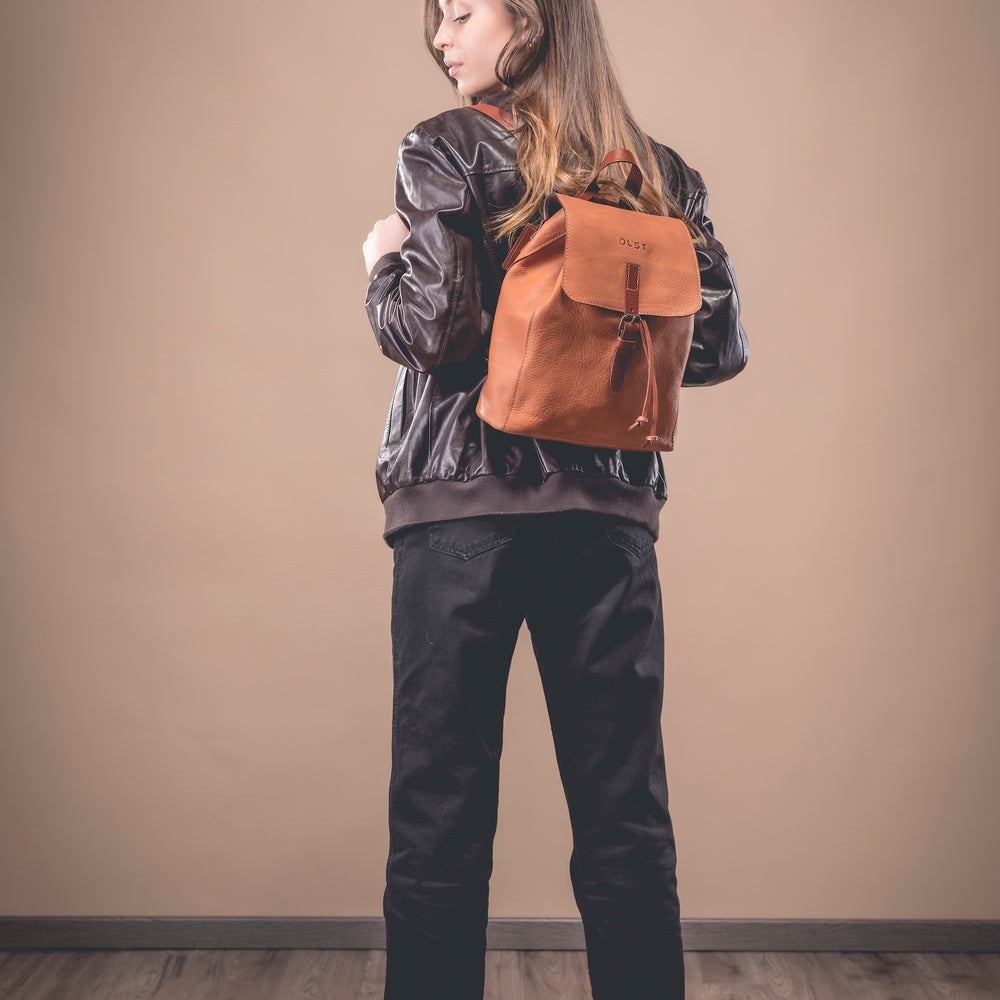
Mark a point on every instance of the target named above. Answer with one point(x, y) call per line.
point(431, 308)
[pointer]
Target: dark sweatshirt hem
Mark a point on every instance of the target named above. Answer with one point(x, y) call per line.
point(445, 500)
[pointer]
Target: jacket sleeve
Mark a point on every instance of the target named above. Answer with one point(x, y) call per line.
point(719, 347)
point(425, 303)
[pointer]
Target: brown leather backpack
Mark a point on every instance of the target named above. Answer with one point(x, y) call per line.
point(581, 293)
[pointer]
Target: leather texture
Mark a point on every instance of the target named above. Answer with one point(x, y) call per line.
point(431, 309)
point(634, 180)
point(586, 276)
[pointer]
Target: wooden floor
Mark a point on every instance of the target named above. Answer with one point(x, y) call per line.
point(510, 975)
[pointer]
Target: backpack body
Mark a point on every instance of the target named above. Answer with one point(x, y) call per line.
point(593, 327)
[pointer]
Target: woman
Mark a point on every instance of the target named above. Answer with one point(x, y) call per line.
point(491, 530)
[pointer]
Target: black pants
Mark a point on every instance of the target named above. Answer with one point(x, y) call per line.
point(587, 586)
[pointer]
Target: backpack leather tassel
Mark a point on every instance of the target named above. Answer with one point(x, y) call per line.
point(631, 318)
point(651, 405)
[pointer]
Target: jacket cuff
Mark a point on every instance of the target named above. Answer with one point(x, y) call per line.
point(387, 263)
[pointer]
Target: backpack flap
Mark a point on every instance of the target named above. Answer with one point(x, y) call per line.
point(602, 241)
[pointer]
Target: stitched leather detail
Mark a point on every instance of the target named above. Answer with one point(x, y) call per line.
point(632, 288)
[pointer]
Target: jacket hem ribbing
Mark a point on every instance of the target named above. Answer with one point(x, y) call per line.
point(445, 499)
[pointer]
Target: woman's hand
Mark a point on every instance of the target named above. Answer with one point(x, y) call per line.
point(387, 236)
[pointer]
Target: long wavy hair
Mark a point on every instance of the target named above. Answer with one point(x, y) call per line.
point(568, 107)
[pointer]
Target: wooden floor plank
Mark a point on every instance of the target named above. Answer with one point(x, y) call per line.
point(223, 975)
point(555, 975)
point(75, 977)
point(16, 968)
point(948, 991)
point(192, 974)
point(881, 968)
point(824, 978)
point(323, 975)
point(126, 975)
point(722, 991)
point(505, 976)
point(373, 982)
point(25, 975)
point(958, 969)
point(510, 975)
point(868, 977)
point(782, 972)
point(719, 966)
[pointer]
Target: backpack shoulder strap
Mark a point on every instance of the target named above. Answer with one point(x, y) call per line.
point(634, 182)
point(491, 111)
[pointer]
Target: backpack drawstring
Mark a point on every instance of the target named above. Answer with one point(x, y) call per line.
point(649, 417)
point(651, 405)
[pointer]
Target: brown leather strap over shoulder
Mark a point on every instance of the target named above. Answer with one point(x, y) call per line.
point(498, 115)
point(519, 244)
point(633, 183)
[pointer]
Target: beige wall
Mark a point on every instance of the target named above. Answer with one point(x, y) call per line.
point(196, 688)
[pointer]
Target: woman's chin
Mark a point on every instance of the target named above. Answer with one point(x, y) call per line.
point(467, 89)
